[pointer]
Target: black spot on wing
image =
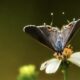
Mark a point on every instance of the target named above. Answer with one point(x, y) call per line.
point(39, 33)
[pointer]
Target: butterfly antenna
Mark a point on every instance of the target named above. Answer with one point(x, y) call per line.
point(44, 24)
point(68, 21)
point(63, 13)
point(74, 19)
point(52, 19)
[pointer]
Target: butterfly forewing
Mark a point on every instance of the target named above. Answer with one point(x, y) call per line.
point(40, 33)
point(69, 30)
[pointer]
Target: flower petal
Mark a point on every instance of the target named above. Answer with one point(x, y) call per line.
point(53, 65)
point(75, 58)
point(43, 65)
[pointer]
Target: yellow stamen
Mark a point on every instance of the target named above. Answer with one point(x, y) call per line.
point(65, 54)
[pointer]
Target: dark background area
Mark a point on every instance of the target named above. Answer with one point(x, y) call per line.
point(17, 48)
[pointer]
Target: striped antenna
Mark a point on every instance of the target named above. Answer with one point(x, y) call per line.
point(63, 13)
point(52, 19)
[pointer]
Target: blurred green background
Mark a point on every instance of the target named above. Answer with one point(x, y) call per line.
point(17, 48)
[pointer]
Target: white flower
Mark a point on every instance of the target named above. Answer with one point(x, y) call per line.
point(52, 65)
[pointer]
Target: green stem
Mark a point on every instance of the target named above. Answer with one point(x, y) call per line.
point(65, 72)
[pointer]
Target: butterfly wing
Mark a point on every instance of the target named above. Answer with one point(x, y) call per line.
point(69, 30)
point(43, 34)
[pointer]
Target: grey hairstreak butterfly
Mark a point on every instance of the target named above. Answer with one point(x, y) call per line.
point(53, 37)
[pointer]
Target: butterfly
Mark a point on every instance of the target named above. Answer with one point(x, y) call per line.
point(53, 37)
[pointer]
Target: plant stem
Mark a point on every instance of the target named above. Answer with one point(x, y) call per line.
point(65, 71)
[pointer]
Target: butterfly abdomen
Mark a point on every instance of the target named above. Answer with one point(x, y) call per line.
point(58, 46)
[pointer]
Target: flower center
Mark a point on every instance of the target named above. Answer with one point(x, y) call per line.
point(65, 54)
